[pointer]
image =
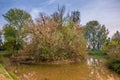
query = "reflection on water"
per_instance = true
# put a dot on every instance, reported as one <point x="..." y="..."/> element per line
<point x="98" y="72"/>
<point x="92" y="70"/>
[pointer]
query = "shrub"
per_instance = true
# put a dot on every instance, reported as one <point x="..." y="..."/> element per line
<point x="50" y="42"/>
<point x="114" y="65"/>
<point x="113" y="50"/>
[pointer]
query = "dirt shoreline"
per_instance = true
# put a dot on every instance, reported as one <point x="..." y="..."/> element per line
<point x="15" y="60"/>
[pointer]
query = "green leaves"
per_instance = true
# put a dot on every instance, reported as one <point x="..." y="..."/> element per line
<point x="113" y="49"/>
<point x="95" y="34"/>
<point x="116" y="37"/>
<point x="16" y="17"/>
<point x="10" y="33"/>
<point x="14" y="31"/>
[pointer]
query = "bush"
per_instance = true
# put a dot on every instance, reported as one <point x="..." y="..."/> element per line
<point x="113" y="50"/>
<point x="51" y="42"/>
<point x="114" y="65"/>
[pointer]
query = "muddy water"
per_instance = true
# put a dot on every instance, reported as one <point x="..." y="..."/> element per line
<point x="93" y="69"/>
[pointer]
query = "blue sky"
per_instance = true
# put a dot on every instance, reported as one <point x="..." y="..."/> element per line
<point x="105" y="11"/>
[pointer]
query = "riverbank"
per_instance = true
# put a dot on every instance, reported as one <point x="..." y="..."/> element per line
<point x="30" y="61"/>
<point x="4" y="75"/>
<point x="94" y="70"/>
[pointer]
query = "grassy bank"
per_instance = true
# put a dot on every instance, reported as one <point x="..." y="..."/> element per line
<point x="4" y="75"/>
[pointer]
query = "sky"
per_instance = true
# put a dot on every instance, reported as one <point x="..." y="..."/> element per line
<point x="107" y="12"/>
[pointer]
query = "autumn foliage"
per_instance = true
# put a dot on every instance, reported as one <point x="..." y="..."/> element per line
<point x="50" y="42"/>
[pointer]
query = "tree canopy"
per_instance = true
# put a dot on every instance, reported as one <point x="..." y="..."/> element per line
<point x="95" y="34"/>
<point x="13" y="30"/>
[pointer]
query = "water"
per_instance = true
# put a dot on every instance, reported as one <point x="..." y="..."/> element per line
<point x="93" y="69"/>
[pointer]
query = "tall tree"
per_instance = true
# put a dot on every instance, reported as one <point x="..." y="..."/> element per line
<point x="102" y="37"/>
<point x="96" y="34"/>
<point x="116" y="37"/>
<point x="16" y="19"/>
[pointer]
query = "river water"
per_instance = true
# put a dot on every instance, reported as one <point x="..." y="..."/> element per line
<point x="93" y="69"/>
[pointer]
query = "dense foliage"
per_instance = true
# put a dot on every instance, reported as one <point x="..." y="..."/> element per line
<point x="113" y="50"/>
<point x="49" y="38"/>
<point x="50" y="42"/>
<point x="13" y="31"/>
<point x="96" y="35"/>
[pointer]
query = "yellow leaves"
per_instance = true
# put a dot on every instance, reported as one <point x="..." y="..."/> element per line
<point x="113" y="49"/>
<point x="113" y="43"/>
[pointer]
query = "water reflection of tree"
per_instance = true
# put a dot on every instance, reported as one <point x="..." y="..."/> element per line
<point x="94" y="69"/>
<point x="97" y="71"/>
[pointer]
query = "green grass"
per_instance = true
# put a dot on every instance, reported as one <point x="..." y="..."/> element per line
<point x="97" y="53"/>
<point x="4" y="54"/>
<point x="5" y="73"/>
<point x="14" y="76"/>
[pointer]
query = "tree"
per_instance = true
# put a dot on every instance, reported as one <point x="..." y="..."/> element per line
<point x="59" y="15"/>
<point x="17" y="18"/>
<point x="95" y="34"/>
<point x="10" y="34"/>
<point x="14" y="31"/>
<point x="116" y="37"/>
<point x="49" y="43"/>
<point x="102" y="37"/>
<point x="75" y="17"/>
